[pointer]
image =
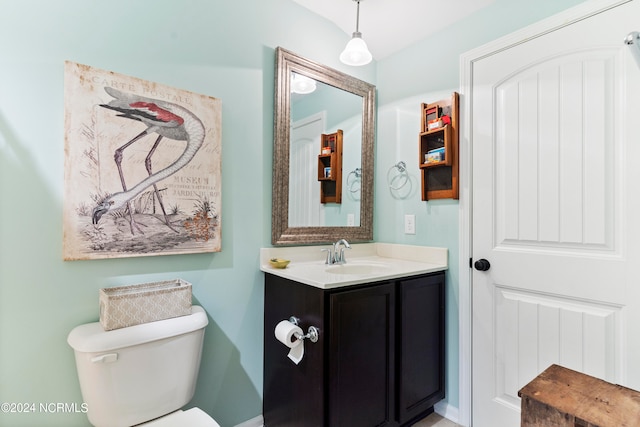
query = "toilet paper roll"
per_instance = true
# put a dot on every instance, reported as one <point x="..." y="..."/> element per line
<point x="286" y="333"/>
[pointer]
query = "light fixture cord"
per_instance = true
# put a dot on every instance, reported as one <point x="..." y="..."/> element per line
<point x="357" y="16"/>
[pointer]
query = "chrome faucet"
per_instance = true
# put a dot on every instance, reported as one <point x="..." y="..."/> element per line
<point x="339" y="257"/>
<point x="335" y="254"/>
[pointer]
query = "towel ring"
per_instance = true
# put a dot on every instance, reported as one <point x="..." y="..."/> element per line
<point x="401" y="167"/>
<point x="357" y="173"/>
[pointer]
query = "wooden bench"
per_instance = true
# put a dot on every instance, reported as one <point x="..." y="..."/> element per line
<point x="561" y="397"/>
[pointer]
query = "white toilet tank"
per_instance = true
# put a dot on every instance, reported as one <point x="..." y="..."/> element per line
<point x="135" y="374"/>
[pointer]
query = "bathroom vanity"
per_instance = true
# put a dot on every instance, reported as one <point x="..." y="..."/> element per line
<point x="379" y="357"/>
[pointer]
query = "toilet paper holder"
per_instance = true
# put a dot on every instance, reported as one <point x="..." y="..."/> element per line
<point x="312" y="333"/>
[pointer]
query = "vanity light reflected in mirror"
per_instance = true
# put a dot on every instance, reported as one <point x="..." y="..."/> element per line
<point x="302" y="84"/>
<point x="339" y="103"/>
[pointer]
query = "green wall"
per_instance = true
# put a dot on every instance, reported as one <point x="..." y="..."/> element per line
<point x="219" y="48"/>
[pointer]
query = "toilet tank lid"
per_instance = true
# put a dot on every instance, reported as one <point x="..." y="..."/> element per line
<point x="92" y="338"/>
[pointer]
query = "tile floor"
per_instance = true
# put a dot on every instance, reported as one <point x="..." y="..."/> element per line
<point x="435" y="420"/>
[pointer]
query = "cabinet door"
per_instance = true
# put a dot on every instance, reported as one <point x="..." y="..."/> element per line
<point x="361" y="357"/>
<point x="293" y="395"/>
<point x="421" y="345"/>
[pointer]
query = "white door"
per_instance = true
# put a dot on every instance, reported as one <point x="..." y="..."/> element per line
<point x="555" y="187"/>
<point x="305" y="209"/>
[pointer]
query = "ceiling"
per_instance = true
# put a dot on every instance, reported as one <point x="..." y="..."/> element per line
<point x="388" y="26"/>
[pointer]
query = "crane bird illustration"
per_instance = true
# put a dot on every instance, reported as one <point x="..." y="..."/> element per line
<point x="165" y="119"/>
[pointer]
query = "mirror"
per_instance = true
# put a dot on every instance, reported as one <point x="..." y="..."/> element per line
<point x="339" y="103"/>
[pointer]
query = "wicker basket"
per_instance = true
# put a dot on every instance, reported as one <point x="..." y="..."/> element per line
<point x="132" y="305"/>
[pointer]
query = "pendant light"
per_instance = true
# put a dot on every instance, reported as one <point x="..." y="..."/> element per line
<point x="356" y="52"/>
<point x="302" y="84"/>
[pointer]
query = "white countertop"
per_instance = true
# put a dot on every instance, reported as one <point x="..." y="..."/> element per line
<point x="366" y="262"/>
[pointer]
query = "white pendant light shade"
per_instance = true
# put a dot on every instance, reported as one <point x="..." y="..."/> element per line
<point x="356" y="52"/>
<point x="302" y="84"/>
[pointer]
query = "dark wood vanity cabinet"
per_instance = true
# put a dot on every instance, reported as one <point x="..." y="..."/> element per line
<point x="379" y="359"/>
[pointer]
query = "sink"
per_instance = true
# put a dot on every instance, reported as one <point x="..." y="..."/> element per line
<point x="359" y="268"/>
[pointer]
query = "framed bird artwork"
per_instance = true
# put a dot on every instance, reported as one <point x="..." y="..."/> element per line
<point x="142" y="167"/>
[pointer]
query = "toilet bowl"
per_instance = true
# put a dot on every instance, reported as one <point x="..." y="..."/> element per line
<point x="142" y="374"/>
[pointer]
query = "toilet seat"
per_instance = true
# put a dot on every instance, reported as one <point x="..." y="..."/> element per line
<point x="194" y="417"/>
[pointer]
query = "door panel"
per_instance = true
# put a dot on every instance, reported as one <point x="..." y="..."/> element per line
<point x="304" y="188"/>
<point x="555" y="180"/>
<point x="534" y="331"/>
<point x="550" y="194"/>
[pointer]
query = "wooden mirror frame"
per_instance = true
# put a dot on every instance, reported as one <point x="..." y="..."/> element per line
<point x="281" y="234"/>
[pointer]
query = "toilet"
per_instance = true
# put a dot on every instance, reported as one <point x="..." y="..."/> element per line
<point x="142" y="374"/>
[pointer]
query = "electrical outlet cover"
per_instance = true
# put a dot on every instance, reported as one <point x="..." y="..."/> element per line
<point x="410" y="224"/>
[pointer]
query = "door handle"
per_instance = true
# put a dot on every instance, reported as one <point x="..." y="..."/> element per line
<point x="482" y="265"/>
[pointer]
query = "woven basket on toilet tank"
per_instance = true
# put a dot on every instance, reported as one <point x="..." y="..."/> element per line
<point x="132" y="305"/>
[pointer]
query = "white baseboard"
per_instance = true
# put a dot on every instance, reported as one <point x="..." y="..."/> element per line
<point x="443" y="409"/>
<point x="253" y="422"/>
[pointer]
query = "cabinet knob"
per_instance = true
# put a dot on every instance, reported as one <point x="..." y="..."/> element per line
<point x="482" y="265"/>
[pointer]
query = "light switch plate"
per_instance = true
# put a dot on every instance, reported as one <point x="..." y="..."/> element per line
<point x="410" y="224"/>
